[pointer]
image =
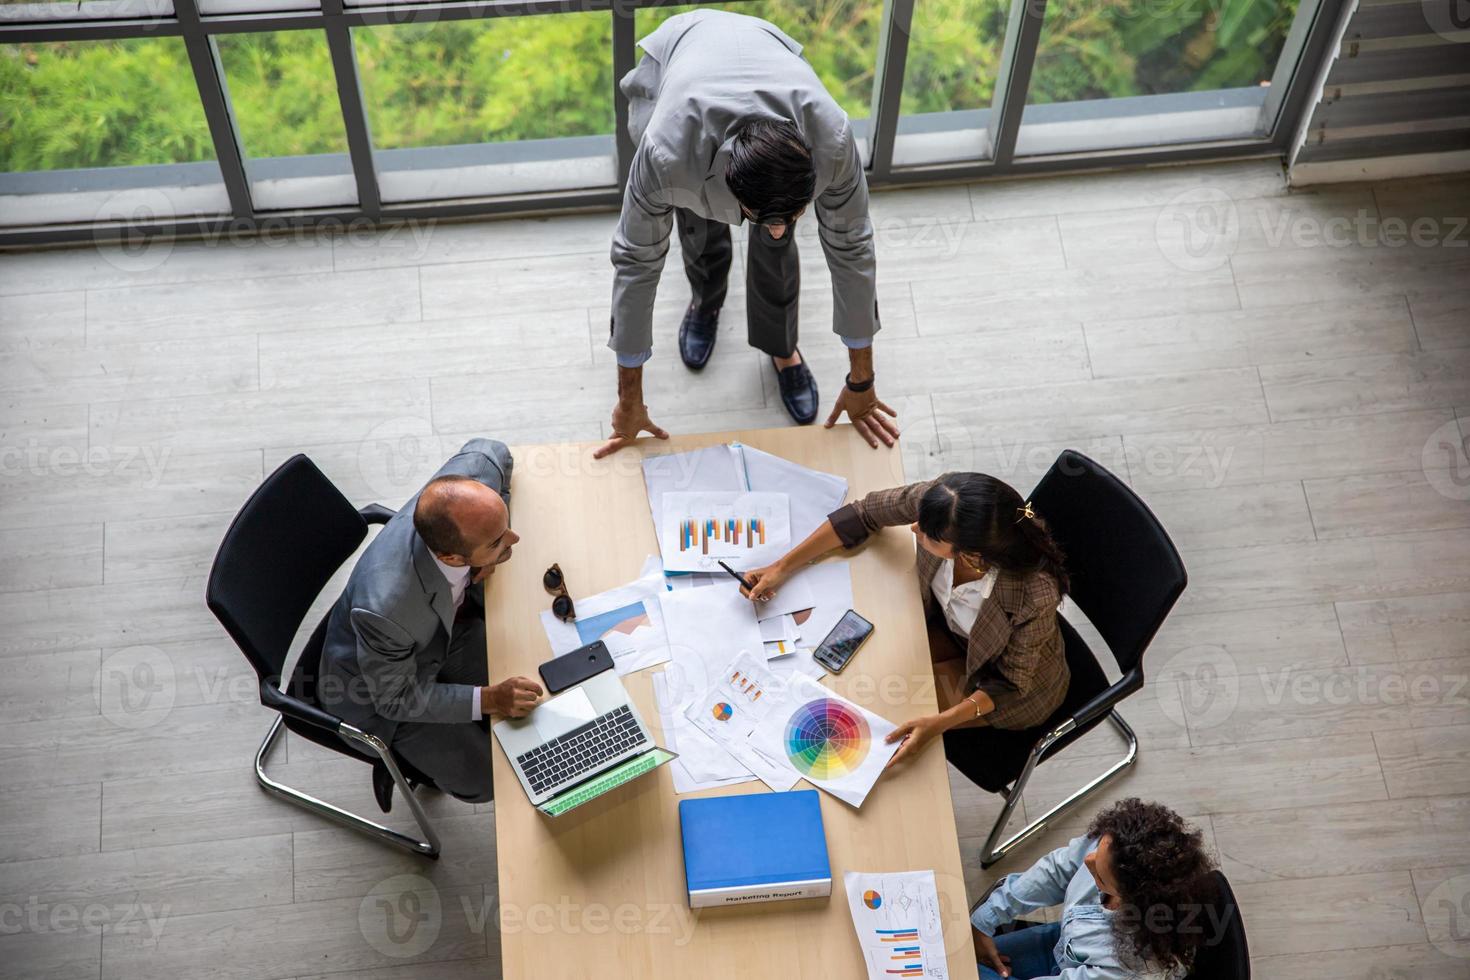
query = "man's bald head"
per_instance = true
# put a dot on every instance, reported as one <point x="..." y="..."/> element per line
<point x="460" y="516"/>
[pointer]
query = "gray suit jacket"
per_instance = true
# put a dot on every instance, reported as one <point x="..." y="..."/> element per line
<point x="704" y="74"/>
<point x="388" y="633"/>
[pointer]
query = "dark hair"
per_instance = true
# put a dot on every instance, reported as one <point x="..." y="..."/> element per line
<point x="1162" y="874"/>
<point x="981" y="515"/>
<point x="432" y="520"/>
<point x="770" y="169"/>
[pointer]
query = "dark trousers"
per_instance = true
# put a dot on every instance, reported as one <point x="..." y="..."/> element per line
<point x="772" y="278"/>
<point x="455" y="755"/>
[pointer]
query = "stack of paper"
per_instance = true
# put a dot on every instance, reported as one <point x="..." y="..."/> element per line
<point x="785" y="729"/>
<point x="737" y="468"/>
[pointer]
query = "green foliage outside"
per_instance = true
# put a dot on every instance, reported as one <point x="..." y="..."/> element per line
<point x="114" y="103"/>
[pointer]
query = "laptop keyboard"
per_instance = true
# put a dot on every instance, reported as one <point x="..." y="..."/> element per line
<point x="564" y="760"/>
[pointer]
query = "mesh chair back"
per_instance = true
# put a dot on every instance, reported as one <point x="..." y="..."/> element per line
<point x="293" y="533"/>
<point x="1126" y="574"/>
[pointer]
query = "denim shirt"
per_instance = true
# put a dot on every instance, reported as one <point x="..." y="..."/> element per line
<point x="1085" y="950"/>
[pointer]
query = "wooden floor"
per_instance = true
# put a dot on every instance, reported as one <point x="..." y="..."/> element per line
<point x="1285" y="385"/>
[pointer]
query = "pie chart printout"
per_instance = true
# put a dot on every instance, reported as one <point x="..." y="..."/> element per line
<point x="826" y="739"/>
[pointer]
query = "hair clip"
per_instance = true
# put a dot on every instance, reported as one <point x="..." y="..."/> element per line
<point x="1025" y="511"/>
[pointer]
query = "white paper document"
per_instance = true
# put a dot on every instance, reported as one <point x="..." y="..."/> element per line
<point x="743" y="703"/>
<point x="813" y="494"/>
<point x="794" y="595"/>
<point x="628" y="619"/>
<point x="701" y="762"/>
<point x="779" y="628"/>
<point x="744" y="529"/>
<point x="785" y="728"/>
<point x="707" y="628"/>
<point x="830" y="585"/>
<point x="898" y="926"/>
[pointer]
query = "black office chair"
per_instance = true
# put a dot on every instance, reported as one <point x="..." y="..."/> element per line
<point x="1126" y="576"/>
<point x="282" y="548"/>
<point x="1224" y="955"/>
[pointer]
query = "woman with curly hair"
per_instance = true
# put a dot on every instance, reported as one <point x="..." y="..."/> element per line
<point x="1135" y="892"/>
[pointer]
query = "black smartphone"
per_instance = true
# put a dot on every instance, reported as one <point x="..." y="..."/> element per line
<point x="560" y="673"/>
<point x="836" y="651"/>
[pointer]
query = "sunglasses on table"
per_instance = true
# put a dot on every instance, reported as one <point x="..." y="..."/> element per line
<point x="561" y="603"/>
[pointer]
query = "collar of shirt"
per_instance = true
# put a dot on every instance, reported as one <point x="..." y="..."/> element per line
<point x="458" y="577"/>
<point x="978" y="590"/>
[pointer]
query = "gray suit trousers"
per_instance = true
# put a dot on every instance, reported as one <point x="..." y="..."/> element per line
<point x="772" y="278"/>
<point x="457" y="756"/>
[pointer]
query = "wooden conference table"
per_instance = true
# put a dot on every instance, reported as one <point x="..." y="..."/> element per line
<point x="600" y="891"/>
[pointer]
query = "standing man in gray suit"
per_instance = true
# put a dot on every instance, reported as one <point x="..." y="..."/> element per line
<point x="404" y="655"/>
<point x="732" y="125"/>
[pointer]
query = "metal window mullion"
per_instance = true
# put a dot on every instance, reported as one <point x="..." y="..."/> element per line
<point x="623" y="56"/>
<point x="1023" y="33"/>
<point x="1313" y="60"/>
<point x="893" y="52"/>
<point x="1286" y="64"/>
<point x="209" y="76"/>
<point x="354" y="110"/>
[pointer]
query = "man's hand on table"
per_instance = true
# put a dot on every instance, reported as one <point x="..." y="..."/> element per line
<point x="513" y="698"/>
<point x="872" y="418"/>
<point x="629" y="415"/>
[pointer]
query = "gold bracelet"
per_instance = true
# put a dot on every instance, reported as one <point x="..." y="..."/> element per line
<point x="978" y="710"/>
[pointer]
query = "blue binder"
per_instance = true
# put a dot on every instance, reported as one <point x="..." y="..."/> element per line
<point x="757" y="847"/>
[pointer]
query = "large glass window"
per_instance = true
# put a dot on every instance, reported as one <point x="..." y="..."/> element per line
<point x="1121" y="73"/>
<point x="286" y="110"/>
<point x="954" y="55"/>
<point x="103" y="131"/>
<point x="505" y="105"/>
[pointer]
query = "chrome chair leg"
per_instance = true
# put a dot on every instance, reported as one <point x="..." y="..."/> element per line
<point x="429" y="846"/>
<point x="993" y="852"/>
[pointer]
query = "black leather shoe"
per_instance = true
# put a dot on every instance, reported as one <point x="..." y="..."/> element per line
<point x="798" y="391"/>
<point x="382" y="787"/>
<point x="697" y="336"/>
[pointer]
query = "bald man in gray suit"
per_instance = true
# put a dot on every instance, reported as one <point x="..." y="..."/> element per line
<point x="732" y="125"/>
<point x="404" y="655"/>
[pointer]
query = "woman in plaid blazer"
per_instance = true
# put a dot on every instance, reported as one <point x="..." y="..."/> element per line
<point x="991" y="578"/>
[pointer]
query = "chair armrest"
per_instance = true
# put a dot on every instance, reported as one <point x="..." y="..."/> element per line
<point x="272" y="697"/>
<point x="1103" y="703"/>
<point x="376" y="514"/>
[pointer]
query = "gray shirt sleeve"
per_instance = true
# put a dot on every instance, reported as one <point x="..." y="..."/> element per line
<point x="638" y="249"/>
<point x="847" y="239"/>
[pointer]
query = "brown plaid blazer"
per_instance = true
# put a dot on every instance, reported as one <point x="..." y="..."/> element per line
<point x="1014" y="652"/>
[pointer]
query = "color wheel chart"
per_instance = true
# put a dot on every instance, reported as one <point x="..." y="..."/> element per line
<point x="826" y="739"/>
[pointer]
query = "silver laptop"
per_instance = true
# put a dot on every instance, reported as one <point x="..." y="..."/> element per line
<point x="580" y="744"/>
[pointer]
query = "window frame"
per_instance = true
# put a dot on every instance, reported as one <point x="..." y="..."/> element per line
<point x="992" y="131"/>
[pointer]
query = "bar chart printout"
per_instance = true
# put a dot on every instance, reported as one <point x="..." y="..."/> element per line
<point x="896" y="916"/>
<point x="741" y="527"/>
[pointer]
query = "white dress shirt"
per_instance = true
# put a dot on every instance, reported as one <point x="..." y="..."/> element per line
<point x="458" y="577"/>
<point x="961" y="603"/>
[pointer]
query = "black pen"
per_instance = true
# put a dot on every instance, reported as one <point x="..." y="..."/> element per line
<point x="737" y="576"/>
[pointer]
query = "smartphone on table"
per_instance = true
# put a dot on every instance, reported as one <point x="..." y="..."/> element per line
<point x="837" y="650"/>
